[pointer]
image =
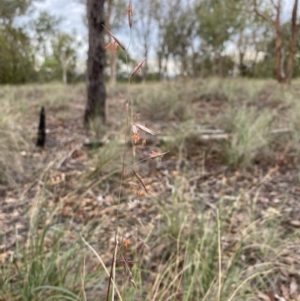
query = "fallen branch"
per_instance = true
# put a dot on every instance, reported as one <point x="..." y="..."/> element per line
<point x="200" y="136"/>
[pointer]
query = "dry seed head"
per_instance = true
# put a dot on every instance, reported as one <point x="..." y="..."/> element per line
<point x="140" y="193"/>
<point x="133" y="283"/>
<point x="136" y="138"/>
<point x="112" y="45"/>
<point x="130" y="14"/>
<point x="135" y="129"/>
<point x="143" y="128"/>
<point x="139" y="177"/>
<point x="127" y="242"/>
<point x="115" y="39"/>
<point x="155" y="154"/>
<point x="127" y="235"/>
<point x="137" y="68"/>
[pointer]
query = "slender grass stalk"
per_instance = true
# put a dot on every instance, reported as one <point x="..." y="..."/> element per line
<point x="219" y="256"/>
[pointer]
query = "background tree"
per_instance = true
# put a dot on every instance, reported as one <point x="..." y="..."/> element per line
<point x="273" y="14"/>
<point x="16" y="56"/>
<point x="45" y="27"/>
<point x="163" y="12"/>
<point x="144" y="21"/>
<point x="17" y="63"/>
<point x="64" y="51"/>
<point x="217" y="24"/>
<point x="96" y="93"/>
<point x="251" y="36"/>
<point x="180" y="31"/>
<point x="11" y="9"/>
<point x="295" y="28"/>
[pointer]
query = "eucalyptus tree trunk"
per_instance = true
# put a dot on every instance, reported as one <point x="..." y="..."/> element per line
<point x="96" y="93"/>
<point x="295" y="28"/>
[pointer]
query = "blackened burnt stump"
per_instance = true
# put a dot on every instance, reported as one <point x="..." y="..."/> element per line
<point x="41" y="139"/>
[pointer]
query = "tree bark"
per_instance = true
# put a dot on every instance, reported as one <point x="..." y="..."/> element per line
<point x="279" y="54"/>
<point x="292" y="45"/>
<point x="214" y="65"/>
<point x="279" y="66"/>
<point x="96" y="93"/>
<point x="166" y="70"/>
<point x="64" y="73"/>
<point x="145" y="69"/>
<point x="159" y="60"/>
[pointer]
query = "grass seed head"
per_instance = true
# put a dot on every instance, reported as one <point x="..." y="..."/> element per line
<point x="115" y="39"/>
<point x="129" y="12"/>
<point x="137" y="68"/>
<point x="143" y="128"/>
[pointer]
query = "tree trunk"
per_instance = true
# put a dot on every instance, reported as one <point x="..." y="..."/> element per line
<point x="202" y="67"/>
<point x="214" y="65"/>
<point x="96" y="93"/>
<point x="279" y="66"/>
<point x="166" y="70"/>
<point x="280" y="74"/>
<point x="64" y="73"/>
<point x="145" y="69"/>
<point x="241" y="63"/>
<point x="254" y="66"/>
<point x="293" y="40"/>
<point x="194" y="65"/>
<point x="159" y="60"/>
<point x="220" y="65"/>
<point x="184" y="64"/>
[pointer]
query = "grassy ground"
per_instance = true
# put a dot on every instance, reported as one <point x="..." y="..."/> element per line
<point x="221" y="217"/>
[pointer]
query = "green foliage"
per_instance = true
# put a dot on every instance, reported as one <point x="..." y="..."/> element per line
<point x="50" y="70"/>
<point x="205" y="65"/>
<point x="10" y="9"/>
<point x="17" y="61"/>
<point x="217" y="22"/>
<point x="45" y="28"/>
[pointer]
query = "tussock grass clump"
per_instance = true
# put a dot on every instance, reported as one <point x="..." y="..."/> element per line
<point x="162" y="102"/>
<point x="249" y="135"/>
<point x="105" y="159"/>
<point x="292" y="120"/>
<point x="40" y="264"/>
<point x="13" y="138"/>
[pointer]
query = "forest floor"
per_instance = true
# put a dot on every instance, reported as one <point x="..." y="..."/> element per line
<point x="221" y="216"/>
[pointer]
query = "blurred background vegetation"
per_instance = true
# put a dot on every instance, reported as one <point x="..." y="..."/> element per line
<point x="185" y="38"/>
